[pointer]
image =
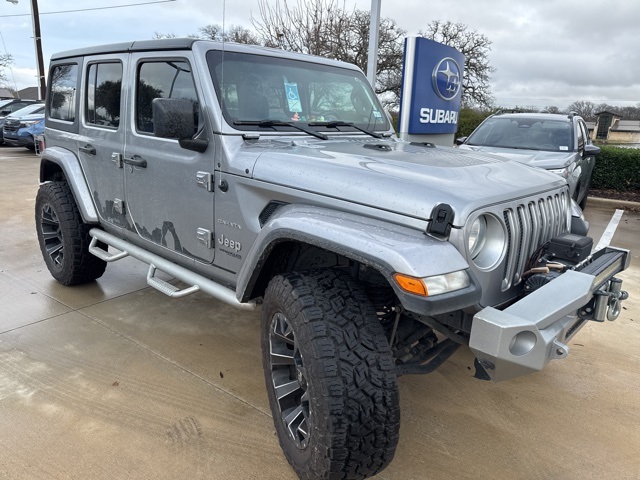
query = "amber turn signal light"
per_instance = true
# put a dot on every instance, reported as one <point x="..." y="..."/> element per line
<point x="411" y="284"/>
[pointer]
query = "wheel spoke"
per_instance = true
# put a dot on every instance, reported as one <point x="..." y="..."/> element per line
<point x="303" y="428"/>
<point x="293" y="420"/>
<point x="279" y="338"/>
<point x="47" y="220"/>
<point x="281" y="359"/>
<point x="51" y="250"/>
<point x="286" y="389"/>
<point x="50" y="235"/>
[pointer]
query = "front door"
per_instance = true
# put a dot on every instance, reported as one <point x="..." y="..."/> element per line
<point x="169" y="193"/>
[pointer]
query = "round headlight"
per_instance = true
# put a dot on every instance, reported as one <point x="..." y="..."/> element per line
<point x="477" y="236"/>
<point x="486" y="241"/>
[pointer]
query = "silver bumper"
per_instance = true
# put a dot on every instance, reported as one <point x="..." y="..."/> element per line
<point x="524" y="337"/>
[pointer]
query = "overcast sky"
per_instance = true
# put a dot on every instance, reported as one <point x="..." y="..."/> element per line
<point x="546" y="52"/>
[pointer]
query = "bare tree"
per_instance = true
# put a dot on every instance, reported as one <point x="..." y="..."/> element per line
<point x="475" y="46"/>
<point x="586" y="109"/>
<point x="326" y="28"/>
<point x="5" y="61"/>
<point x="550" y="109"/>
<point x="235" y="33"/>
<point x="306" y="26"/>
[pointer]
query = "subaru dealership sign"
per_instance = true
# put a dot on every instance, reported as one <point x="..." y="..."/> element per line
<point x="431" y="88"/>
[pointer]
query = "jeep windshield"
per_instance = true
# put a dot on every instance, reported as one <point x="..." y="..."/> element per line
<point x="524" y="133"/>
<point x="265" y="93"/>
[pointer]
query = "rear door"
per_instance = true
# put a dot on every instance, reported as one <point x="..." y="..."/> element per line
<point x="169" y="189"/>
<point x="102" y="135"/>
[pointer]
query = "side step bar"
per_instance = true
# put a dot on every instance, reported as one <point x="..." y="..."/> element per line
<point x="196" y="281"/>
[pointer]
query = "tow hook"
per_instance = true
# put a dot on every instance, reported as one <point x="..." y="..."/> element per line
<point x="608" y="303"/>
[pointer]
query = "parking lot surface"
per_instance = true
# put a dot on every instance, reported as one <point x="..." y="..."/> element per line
<point x="113" y="380"/>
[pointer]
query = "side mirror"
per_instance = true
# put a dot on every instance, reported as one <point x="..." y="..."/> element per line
<point x="173" y="118"/>
<point x="461" y="140"/>
<point x="591" y="150"/>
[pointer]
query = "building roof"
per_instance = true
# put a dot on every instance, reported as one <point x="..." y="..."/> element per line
<point x="615" y="114"/>
<point x="626" y="126"/>
<point x="6" y="93"/>
<point x="29" y="93"/>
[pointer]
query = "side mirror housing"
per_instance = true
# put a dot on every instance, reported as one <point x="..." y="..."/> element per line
<point x="461" y="140"/>
<point x="173" y="118"/>
<point x="591" y="150"/>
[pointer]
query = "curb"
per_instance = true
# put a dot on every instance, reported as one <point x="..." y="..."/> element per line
<point x="608" y="202"/>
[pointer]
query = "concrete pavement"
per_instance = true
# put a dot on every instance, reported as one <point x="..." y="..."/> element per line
<point x="113" y="380"/>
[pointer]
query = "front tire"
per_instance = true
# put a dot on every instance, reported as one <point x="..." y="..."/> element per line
<point x="330" y="376"/>
<point x="63" y="236"/>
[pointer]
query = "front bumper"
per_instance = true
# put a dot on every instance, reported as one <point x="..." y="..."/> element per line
<point x="523" y="338"/>
<point x="18" y="138"/>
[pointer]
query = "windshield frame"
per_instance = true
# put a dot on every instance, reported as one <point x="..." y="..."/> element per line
<point x="217" y="60"/>
<point x="479" y="137"/>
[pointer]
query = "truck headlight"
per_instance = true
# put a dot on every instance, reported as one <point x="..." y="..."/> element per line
<point x="477" y="236"/>
<point x="486" y="241"/>
<point x="563" y="172"/>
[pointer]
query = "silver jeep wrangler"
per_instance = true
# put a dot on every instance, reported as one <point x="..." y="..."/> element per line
<point x="269" y="178"/>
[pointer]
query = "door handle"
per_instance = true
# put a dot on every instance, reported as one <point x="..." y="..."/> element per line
<point x="88" y="149"/>
<point x="136" y="161"/>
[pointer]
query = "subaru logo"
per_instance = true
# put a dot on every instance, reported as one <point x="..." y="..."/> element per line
<point x="446" y="78"/>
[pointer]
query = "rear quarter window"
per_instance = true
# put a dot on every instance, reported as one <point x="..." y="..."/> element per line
<point x="63" y="92"/>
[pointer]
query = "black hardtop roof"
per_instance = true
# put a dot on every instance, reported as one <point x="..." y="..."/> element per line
<point x="137" y="46"/>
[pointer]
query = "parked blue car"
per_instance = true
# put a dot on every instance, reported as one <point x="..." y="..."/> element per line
<point x="16" y="126"/>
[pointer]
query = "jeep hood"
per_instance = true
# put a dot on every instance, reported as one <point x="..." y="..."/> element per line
<point x="535" y="158"/>
<point x="397" y="176"/>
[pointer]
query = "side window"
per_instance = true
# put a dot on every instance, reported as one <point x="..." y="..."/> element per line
<point x="102" y="106"/>
<point x="581" y="137"/>
<point x="163" y="79"/>
<point x="17" y="106"/>
<point x="62" y="100"/>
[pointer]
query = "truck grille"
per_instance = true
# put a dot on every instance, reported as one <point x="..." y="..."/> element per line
<point x="530" y="225"/>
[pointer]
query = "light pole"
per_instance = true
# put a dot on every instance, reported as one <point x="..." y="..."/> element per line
<point x="35" y="18"/>
<point x="374" y="28"/>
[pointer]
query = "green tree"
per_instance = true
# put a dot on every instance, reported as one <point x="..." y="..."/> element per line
<point x="469" y="119"/>
<point x="108" y="97"/>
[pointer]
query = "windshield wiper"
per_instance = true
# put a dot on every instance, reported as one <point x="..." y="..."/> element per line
<point x="339" y="123"/>
<point x="279" y="123"/>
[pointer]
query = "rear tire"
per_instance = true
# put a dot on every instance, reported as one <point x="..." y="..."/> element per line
<point x="330" y="376"/>
<point x="63" y="236"/>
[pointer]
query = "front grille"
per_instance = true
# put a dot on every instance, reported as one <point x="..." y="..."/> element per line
<point x="530" y="225"/>
<point x="12" y="125"/>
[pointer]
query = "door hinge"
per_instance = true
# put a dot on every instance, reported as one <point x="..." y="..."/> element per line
<point x="117" y="159"/>
<point x="118" y="205"/>
<point x="205" y="180"/>
<point x="205" y="237"/>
